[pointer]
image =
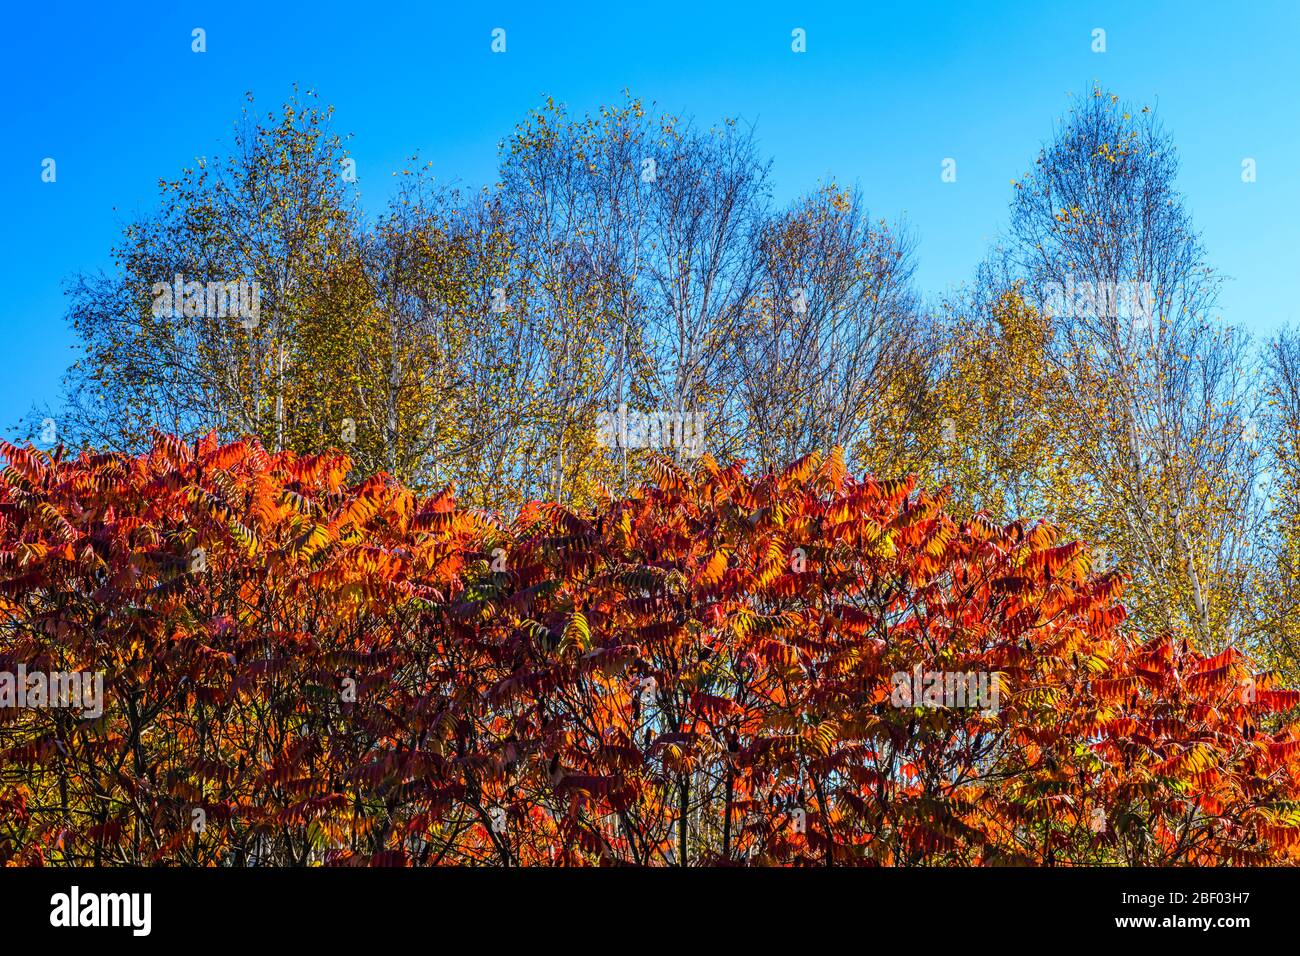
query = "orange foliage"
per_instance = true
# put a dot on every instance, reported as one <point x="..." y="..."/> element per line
<point x="301" y="671"/>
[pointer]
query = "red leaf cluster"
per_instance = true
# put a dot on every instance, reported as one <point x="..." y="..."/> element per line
<point x="719" y="669"/>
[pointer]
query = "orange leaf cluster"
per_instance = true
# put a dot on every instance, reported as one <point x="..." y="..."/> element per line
<point x="719" y="669"/>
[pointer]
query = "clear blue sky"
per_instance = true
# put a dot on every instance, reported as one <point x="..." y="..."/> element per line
<point x="884" y="93"/>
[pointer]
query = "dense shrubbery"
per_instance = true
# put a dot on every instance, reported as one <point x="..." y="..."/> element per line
<point x="299" y="670"/>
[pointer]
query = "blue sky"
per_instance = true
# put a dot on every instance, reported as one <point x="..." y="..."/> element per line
<point x="883" y="94"/>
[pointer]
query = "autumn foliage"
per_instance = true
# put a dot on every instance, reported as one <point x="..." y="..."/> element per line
<point x="299" y="670"/>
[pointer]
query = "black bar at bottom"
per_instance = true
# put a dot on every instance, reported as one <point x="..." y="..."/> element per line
<point x="341" y="906"/>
